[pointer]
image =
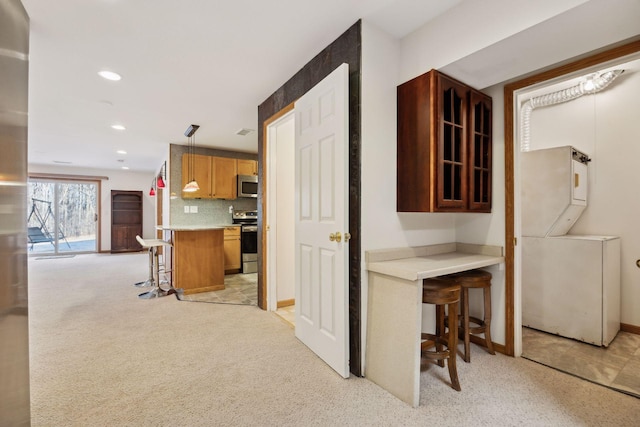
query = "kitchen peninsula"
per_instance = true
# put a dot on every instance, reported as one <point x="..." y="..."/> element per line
<point x="196" y="258"/>
<point x="394" y="313"/>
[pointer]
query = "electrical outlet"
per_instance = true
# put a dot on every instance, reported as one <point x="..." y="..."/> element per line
<point x="231" y="209"/>
<point x="194" y="209"/>
<point x="186" y="209"/>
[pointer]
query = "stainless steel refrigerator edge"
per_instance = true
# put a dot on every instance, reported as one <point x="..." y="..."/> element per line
<point x="14" y="321"/>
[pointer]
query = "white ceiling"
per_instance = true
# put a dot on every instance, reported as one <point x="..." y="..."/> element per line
<point x="206" y="62"/>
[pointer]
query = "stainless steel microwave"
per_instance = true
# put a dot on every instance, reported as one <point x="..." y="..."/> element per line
<point x="247" y="186"/>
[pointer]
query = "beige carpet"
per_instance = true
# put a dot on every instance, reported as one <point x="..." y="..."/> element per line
<point x="100" y="356"/>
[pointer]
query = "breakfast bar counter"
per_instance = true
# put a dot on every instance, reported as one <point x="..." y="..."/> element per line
<point x="394" y="308"/>
<point x="196" y="259"/>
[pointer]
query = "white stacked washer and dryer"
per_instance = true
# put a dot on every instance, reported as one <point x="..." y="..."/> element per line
<point x="570" y="283"/>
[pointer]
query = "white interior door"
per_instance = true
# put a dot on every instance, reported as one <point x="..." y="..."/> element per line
<point x="321" y="211"/>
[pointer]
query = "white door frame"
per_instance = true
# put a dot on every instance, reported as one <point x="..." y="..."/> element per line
<point x="271" y="207"/>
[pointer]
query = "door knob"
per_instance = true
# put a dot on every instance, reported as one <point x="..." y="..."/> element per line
<point x="335" y="237"/>
<point x="332" y="237"/>
<point x="338" y="237"/>
<point x="347" y="237"/>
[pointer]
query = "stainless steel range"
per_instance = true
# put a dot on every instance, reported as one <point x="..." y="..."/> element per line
<point x="248" y="221"/>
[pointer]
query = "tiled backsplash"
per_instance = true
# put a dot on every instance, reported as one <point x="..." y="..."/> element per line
<point x="210" y="212"/>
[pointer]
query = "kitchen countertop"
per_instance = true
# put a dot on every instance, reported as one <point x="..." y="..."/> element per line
<point x="193" y="227"/>
<point x="417" y="263"/>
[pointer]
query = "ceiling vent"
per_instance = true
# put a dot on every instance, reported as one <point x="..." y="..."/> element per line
<point x="244" y="131"/>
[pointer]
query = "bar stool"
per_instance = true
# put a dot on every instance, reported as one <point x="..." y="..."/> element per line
<point x="442" y="291"/>
<point x="154" y="269"/>
<point x="477" y="279"/>
<point x="150" y="280"/>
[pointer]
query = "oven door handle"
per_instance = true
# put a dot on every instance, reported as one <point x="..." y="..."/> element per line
<point x="249" y="228"/>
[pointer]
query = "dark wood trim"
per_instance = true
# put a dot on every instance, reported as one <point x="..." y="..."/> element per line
<point x="480" y="341"/>
<point x="345" y="49"/>
<point x="632" y="329"/>
<point x="286" y="302"/>
<point x="509" y="143"/>
<point x="509" y="246"/>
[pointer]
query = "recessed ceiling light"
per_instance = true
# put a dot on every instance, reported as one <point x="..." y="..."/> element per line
<point x="121" y="152"/>
<point x="125" y="167"/>
<point x="110" y="75"/>
<point x="118" y="127"/>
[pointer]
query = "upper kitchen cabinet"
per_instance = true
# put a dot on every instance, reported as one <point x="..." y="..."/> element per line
<point x="247" y="167"/>
<point x="198" y="167"/>
<point x="480" y="152"/>
<point x="444" y="146"/>
<point x="216" y="176"/>
<point x="224" y="173"/>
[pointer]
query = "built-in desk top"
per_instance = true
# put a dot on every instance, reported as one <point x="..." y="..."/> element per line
<point x="422" y="262"/>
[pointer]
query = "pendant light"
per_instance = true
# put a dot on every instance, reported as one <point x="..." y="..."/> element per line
<point x="152" y="192"/>
<point x="192" y="185"/>
<point x="160" y="182"/>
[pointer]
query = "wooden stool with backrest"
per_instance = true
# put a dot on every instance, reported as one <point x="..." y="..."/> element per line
<point x="476" y="279"/>
<point x="442" y="291"/>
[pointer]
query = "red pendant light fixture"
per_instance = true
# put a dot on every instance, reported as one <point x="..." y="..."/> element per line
<point x="152" y="192"/>
<point x="160" y="182"/>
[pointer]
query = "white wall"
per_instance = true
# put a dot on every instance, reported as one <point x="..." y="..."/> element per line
<point x="381" y="225"/>
<point x="118" y="180"/>
<point x="470" y="27"/>
<point x="605" y="127"/>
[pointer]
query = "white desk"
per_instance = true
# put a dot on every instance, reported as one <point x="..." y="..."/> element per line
<point x="394" y="310"/>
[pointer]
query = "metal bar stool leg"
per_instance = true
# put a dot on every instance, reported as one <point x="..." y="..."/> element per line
<point x="149" y="281"/>
<point x="154" y="268"/>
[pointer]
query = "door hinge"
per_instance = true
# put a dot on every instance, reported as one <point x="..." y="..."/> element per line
<point x="515" y="241"/>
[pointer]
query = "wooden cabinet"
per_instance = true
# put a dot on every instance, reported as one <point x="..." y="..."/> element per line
<point x="224" y="183"/>
<point x="444" y="146"/>
<point x="197" y="260"/>
<point x="480" y="152"/>
<point x="198" y="167"/>
<point x="126" y="220"/>
<point x="247" y="167"/>
<point x="216" y="176"/>
<point x="232" y="257"/>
